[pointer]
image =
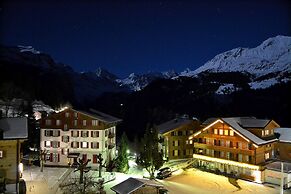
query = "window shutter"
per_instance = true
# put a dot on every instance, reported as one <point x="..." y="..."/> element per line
<point x="59" y="144"/>
<point x="44" y="143"/>
<point x="68" y="138"/>
<point x="72" y="133"/>
<point x="91" y="133"/>
<point x="78" y="133"/>
<point x="51" y="157"/>
<point x="87" y="144"/>
<point x="87" y="133"/>
<point x="58" y="157"/>
<point x="77" y="144"/>
<point x="71" y="144"/>
<point x="62" y="138"/>
<point x="91" y="144"/>
<point x="98" y="145"/>
<point x="59" y="133"/>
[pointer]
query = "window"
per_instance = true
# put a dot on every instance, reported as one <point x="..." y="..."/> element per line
<point x="225" y="132"/>
<point x="267" y="156"/>
<point x="94" y="133"/>
<point x="55" y="157"/>
<point x="227" y="143"/>
<point x="48" y="122"/>
<point x="240" y="157"/>
<point x="58" y="122"/>
<point x="191" y="141"/>
<point x="247" y="158"/>
<point x="180" y="133"/>
<point x="267" y="132"/>
<point x="95" y="145"/>
<point x="65" y="127"/>
<point x="94" y="122"/>
<point x="221" y="142"/>
<point x="222" y="154"/>
<point x="187" y="142"/>
<point x="47" y="156"/>
<point x="65" y="138"/>
<point x="220" y="131"/>
<point x="47" y="143"/>
<point x="67" y="114"/>
<point x="176" y="152"/>
<point x="231" y="133"/>
<point x="75" y="133"/>
<point x="75" y="144"/>
<point x="84" y="122"/>
<point x="75" y="122"/>
<point x="75" y="114"/>
<point x="55" y="144"/>
<point x="105" y="144"/>
<point x="207" y="141"/>
<point x="263" y="133"/>
<point x="106" y="133"/>
<point x="94" y="158"/>
<point x="84" y="144"/>
<point x="56" y="133"/>
<point x="176" y="143"/>
<point x="191" y="132"/>
<point x="47" y="133"/>
<point x="1" y="154"/>
<point x="207" y="151"/>
<point x="239" y="145"/>
<point x="228" y="155"/>
<point x="84" y="133"/>
<point x="215" y="131"/>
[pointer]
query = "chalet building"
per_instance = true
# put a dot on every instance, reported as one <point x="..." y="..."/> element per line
<point x="13" y="132"/>
<point x="238" y="145"/>
<point x="283" y="146"/>
<point x="71" y="134"/>
<point x="174" y="134"/>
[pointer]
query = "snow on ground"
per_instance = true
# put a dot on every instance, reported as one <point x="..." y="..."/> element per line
<point x="28" y="49"/>
<point x="263" y="84"/>
<point x="226" y="89"/>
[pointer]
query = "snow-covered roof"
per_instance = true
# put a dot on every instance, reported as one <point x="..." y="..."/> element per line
<point x="284" y="134"/>
<point x="100" y="115"/>
<point x="14" y="128"/>
<point x="173" y="124"/>
<point x="251" y="122"/>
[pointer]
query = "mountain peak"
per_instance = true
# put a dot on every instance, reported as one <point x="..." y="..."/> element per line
<point x="103" y="73"/>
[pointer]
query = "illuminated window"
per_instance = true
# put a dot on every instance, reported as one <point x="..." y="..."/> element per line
<point x="228" y="155"/>
<point x="84" y="144"/>
<point x="75" y="133"/>
<point x="176" y="143"/>
<point x="222" y="154"/>
<point x="1" y="154"/>
<point x="227" y="143"/>
<point x="215" y="131"/>
<point x="225" y="132"/>
<point x="84" y="122"/>
<point x="240" y="157"/>
<point x="67" y="114"/>
<point x="76" y="114"/>
<point x="75" y="122"/>
<point x="267" y="132"/>
<point x="176" y="152"/>
<point x="47" y="144"/>
<point x="231" y="133"/>
<point x="267" y="156"/>
<point x="220" y="131"/>
<point x="221" y="142"/>
<point x="94" y="122"/>
<point x="65" y="127"/>
<point x="247" y="158"/>
<point x="239" y="145"/>
<point x="207" y="151"/>
<point x="191" y="141"/>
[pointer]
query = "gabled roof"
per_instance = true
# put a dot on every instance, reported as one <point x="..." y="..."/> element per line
<point x="235" y="124"/>
<point x="252" y="122"/>
<point x="132" y="184"/>
<point x="100" y="115"/>
<point x="284" y="134"/>
<point x="173" y="124"/>
<point x="14" y="128"/>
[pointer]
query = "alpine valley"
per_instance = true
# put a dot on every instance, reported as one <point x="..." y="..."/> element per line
<point x="242" y="82"/>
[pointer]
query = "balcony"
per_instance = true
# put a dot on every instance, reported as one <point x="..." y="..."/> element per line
<point x="111" y="135"/>
<point x="224" y="148"/>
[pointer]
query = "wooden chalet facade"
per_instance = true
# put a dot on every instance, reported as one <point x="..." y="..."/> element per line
<point x="174" y="135"/>
<point x="70" y="134"/>
<point x="238" y="145"/>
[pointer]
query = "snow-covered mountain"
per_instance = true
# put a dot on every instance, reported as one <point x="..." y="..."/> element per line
<point x="137" y="82"/>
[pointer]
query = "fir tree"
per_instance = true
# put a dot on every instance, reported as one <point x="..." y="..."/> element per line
<point x="122" y="158"/>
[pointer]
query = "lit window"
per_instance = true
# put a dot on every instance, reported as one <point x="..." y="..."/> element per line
<point x="267" y="132"/>
<point x="225" y="132"/>
<point x="75" y="122"/>
<point x="231" y="133"/>
<point x="1" y="154"/>
<point x="176" y="152"/>
<point x="222" y="154"/>
<point x="215" y="131"/>
<point x="187" y="142"/>
<point x="267" y="156"/>
<point x="75" y="134"/>
<point x="191" y="141"/>
<point x="47" y="144"/>
<point x="240" y="157"/>
<point x="84" y="122"/>
<point x="227" y="143"/>
<point x="65" y="138"/>
<point x="240" y="145"/>
<point x="94" y="122"/>
<point x="220" y="131"/>
<point x="75" y="114"/>
<point x="84" y="144"/>
<point x="65" y="127"/>
<point x="67" y="114"/>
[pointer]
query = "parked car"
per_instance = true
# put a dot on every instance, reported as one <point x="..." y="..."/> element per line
<point x="164" y="173"/>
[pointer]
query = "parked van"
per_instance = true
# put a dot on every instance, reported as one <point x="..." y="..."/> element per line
<point x="164" y="173"/>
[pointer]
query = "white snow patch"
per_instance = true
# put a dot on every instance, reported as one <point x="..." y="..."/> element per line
<point x="263" y="84"/>
<point x="226" y="89"/>
<point x="28" y="49"/>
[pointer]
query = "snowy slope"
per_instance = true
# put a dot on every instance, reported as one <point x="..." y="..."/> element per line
<point x="273" y="55"/>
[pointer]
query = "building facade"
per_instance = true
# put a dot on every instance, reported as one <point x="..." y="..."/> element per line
<point x="13" y="132"/>
<point x="71" y="134"/>
<point x="238" y="145"/>
<point x="283" y="146"/>
<point x="174" y="135"/>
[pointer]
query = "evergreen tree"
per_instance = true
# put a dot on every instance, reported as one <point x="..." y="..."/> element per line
<point x="122" y="158"/>
<point x="150" y="156"/>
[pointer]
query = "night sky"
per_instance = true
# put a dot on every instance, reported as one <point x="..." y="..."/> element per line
<point x="140" y="36"/>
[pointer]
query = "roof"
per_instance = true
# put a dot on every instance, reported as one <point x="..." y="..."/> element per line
<point x="173" y="124"/>
<point x="128" y="186"/>
<point x="284" y="134"/>
<point x="132" y="184"/>
<point x="277" y="166"/>
<point x="100" y="115"/>
<point x="252" y="122"/>
<point x="209" y="121"/>
<point x="235" y="123"/>
<point x="14" y="128"/>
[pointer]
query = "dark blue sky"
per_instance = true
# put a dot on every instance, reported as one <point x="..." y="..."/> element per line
<point x="138" y="36"/>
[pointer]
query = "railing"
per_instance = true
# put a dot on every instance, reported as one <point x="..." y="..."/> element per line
<point x="111" y="135"/>
<point x="224" y="148"/>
